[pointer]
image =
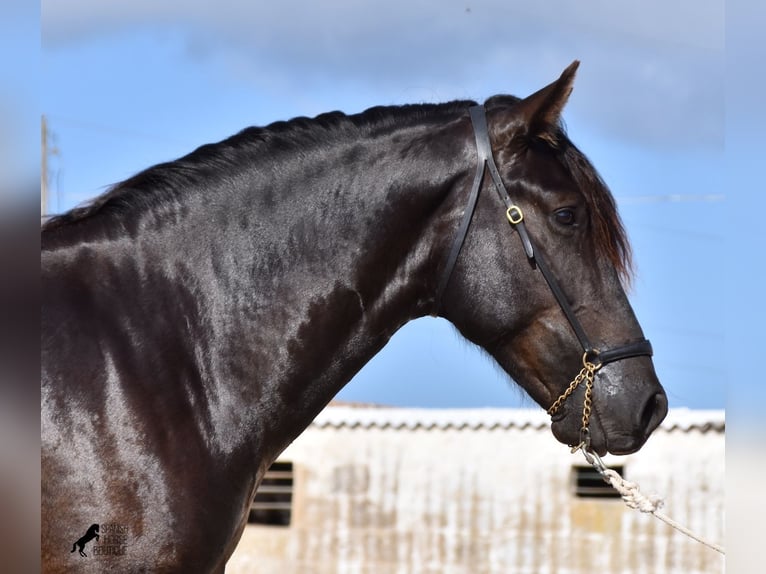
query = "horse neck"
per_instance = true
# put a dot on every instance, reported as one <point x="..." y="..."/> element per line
<point x="298" y="280"/>
<point x="357" y="263"/>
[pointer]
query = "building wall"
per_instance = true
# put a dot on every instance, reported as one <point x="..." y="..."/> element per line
<point x="397" y="495"/>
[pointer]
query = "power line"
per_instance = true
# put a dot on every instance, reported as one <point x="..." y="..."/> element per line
<point x="673" y="198"/>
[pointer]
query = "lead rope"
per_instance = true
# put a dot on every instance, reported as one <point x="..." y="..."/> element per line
<point x="629" y="491"/>
<point x="634" y="498"/>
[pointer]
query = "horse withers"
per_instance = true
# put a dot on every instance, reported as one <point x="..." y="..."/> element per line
<point x="198" y="316"/>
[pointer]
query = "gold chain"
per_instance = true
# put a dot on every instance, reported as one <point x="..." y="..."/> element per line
<point x="587" y="374"/>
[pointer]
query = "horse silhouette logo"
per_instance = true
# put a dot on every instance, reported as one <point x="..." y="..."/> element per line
<point x="90" y="534"/>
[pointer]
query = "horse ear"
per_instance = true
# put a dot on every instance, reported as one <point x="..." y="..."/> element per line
<point x="539" y="114"/>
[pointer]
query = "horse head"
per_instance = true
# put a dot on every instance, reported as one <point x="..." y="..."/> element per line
<point x="544" y="327"/>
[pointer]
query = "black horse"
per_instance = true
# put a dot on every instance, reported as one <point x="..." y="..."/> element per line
<point x="198" y="316"/>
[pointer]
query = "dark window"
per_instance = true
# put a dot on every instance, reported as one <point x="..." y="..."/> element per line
<point x="588" y="483"/>
<point x="273" y="501"/>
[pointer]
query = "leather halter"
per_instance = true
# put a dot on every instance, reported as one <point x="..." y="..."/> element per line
<point x="515" y="217"/>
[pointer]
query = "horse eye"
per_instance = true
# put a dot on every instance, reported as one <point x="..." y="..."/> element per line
<point x="566" y="216"/>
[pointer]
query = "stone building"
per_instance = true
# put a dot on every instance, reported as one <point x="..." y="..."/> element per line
<point x="389" y="490"/>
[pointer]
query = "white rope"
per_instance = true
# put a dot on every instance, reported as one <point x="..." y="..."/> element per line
<point x="634" y="498"/>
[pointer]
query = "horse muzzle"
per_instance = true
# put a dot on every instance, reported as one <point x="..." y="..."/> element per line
<point x="623" y="415"/>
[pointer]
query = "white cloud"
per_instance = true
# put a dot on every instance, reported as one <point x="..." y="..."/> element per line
<point x="660" y="63"/>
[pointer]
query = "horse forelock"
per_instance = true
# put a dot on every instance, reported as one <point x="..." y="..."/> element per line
<point x="609" y="234"/>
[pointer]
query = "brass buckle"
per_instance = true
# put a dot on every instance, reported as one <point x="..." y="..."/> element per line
<point x="514" y="214"/>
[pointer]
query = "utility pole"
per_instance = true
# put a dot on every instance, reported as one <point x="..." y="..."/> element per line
<point x="46" y="151"/>
<point x="44" y="166"/>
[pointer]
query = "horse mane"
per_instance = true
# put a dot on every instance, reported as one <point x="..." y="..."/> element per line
<point x="162" y="184"/>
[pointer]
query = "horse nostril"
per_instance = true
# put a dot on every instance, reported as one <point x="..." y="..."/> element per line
<point x="654" y="412"/>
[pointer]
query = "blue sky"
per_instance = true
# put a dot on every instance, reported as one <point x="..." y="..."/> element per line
<point x="130" y="84"/>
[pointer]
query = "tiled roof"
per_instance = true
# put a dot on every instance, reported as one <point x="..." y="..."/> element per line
<point x="377" y="417"/>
